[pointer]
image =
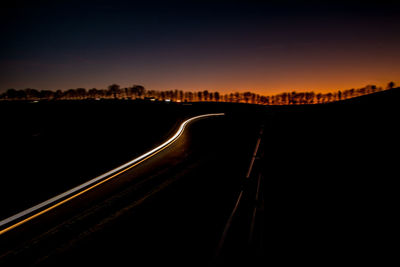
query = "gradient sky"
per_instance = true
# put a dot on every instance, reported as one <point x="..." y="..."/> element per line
<point x="200" y="45"/>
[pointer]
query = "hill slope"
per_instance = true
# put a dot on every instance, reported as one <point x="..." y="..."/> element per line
<point x="330" y="180"/>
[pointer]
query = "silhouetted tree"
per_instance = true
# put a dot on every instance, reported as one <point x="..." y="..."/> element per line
<point x="391" y="85"/>
<point x="205" y="95"/>
<point x="31" y="93"/>
<point x="236" y="97"/>
<point x="180" y="95"/>
<point x="216" y="96"/>
<point x="170" y="94"/>
<point x="329" y="97"/>
<point x="351" y="92"/>
<point x="114" y="90"/>
<point x="246" y="96"/>
<point x="263" y="100"/>
<point x="293" y="98"/>
<point x="137" y="90"/>
<point x="174" y="96"/>
<point x="211" y="96"/>
<point x="284" y="98"/>
<point x="46" y="94"/>
<point x="58" y="94"/>
<point x="70" y="94"/>
<point x="11" y="93"/>
<point x="81" y="93"/>
<point x="361" y="91"/>
<point x="253" y="98"/>
<point x="226" y="98"/>
<point x="93" y="93"/>
<point x="310" y="97"/>
<point x="370" y="88"/>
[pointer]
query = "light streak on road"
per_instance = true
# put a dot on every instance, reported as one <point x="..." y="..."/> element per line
<point x="62" y="198"/>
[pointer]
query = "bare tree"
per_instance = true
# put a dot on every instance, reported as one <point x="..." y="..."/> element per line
<point x="391" y="85"/>
<point x="236" y="97"/>
<point x="137" y="90"/>
<point x="216" y="96"/>
<point x="81" y="93"/>
<point x="247" y="96"/>
<point x="205" y="94"/>
<point x="92" y="93"/>
<point x="180" y="94"/>
<point x="114" y="90"/>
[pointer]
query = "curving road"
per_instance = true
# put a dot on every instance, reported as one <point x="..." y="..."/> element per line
<point x="41" y="208"/>
<point x="174" y="202"/>
<point x="174" y="207"/>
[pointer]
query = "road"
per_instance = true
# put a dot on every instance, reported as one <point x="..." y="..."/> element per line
<point x="171" y="208"/>
<point x="31" y="213"/>
<point x="321" y="190"/>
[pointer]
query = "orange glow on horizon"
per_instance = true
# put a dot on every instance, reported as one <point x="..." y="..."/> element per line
<point x="317" y="87"/>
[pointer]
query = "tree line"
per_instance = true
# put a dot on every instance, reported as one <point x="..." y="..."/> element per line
<point x="115" y="91"/>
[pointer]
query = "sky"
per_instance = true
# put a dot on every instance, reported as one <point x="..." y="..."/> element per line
<point x="265" y="47"/>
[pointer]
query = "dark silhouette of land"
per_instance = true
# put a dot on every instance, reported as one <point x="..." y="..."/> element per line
<point x="326" y="171"/>
<point x="329" y="176"/>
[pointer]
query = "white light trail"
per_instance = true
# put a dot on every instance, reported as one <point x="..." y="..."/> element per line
<point x="80" y="189"/>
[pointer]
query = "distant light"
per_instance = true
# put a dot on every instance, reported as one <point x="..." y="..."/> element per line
<point x="152" y="99"/>
<point x="167" y="100"/>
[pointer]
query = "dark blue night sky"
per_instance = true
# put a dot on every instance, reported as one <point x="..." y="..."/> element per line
<point x="197" y="45"/>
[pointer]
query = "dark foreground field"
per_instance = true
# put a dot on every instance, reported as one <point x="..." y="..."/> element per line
<point x="49" y="147"/>
<point x="330" y="176"/>
<point x="326" y="195"/>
